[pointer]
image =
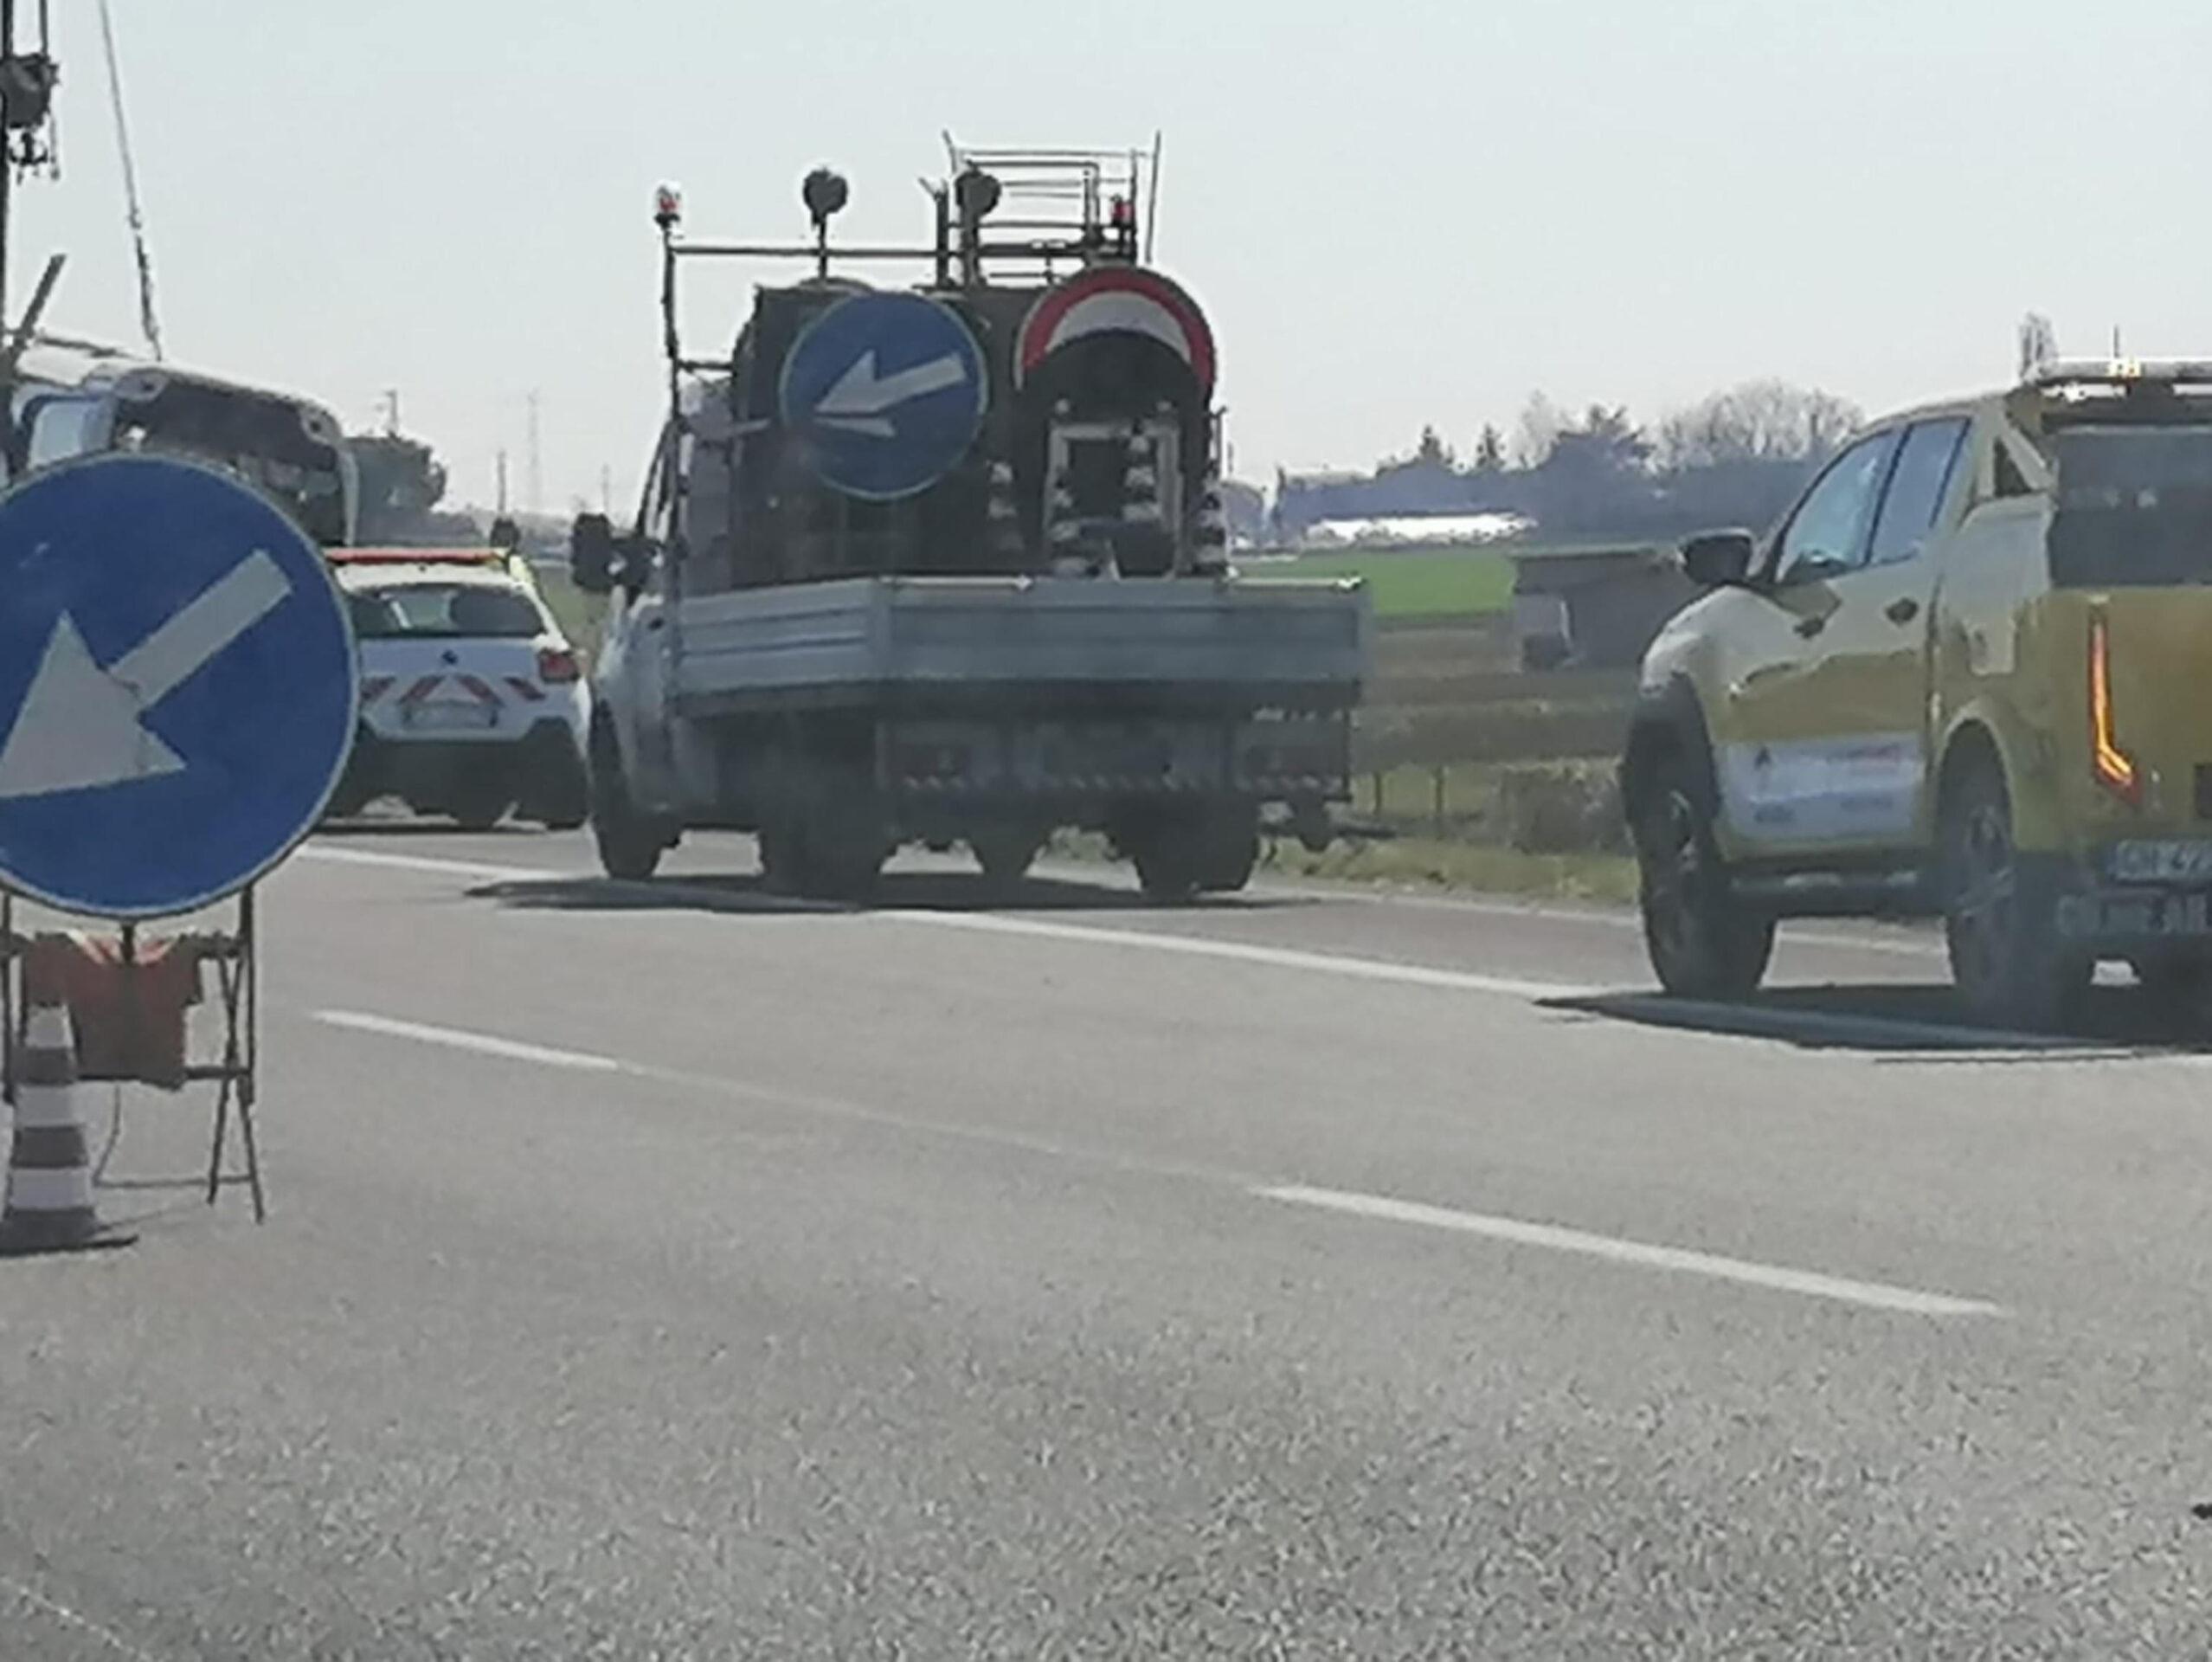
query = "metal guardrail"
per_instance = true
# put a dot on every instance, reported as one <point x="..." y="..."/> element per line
<point x="1444" y="748"/>
<point x="1429" y="715"/>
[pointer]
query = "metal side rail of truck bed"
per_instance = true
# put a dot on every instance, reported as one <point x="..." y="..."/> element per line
<point x="1257" y="644"/>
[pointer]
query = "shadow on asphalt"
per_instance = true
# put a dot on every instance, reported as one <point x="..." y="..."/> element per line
<point x="1904" y="1022"/>
<point x="145" y="1212"/>
<point x="429" y="827"/>
<point x="897" y="892"/>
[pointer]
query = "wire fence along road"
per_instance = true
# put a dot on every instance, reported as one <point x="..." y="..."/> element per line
<point x="1450" y="743"/>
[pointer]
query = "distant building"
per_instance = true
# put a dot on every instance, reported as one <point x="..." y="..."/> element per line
<point x="1422" y="528"/>
<point x="1424" y="487"/>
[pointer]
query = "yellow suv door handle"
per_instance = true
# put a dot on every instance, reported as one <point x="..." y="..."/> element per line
<point x="1903" y="609"/>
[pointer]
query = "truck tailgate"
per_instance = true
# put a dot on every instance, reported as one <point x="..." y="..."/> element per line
<point x="1300" y="641"/>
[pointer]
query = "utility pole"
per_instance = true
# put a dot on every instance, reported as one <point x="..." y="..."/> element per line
<point x="502" y="481"/>
<point x="606" y="489"/>
<point x="149" y="318"/>
<point x="6" y="156"/>
<point x="391" y="412"/>
<point x="27" y="83"/>
<point x="536" y="461"/>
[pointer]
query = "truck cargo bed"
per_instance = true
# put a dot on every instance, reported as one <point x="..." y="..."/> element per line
<point x="1268" y="641"/>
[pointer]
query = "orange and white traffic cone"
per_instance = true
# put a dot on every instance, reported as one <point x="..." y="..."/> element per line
<point x="49" y="1206"/>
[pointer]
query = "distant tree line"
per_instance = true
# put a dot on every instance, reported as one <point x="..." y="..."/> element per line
<point x="1737" y="457"/>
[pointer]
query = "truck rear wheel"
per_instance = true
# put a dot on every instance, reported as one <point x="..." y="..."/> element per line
<point x="2179" y="990"/>
<point x="556" y="791"/>
<point x="630" y="846"/>
<point x="480" y="807"/>
<point x="1006" y="853"/>
<point x="840" y="866"/>
<point x="1166" y="868"/>
<point x="1228" y="850"/>
<point x="2006" y="959"/>
<point x="1186" y="852"/>
<point x="831" y="848"/>
<point x="1702" y="941"/>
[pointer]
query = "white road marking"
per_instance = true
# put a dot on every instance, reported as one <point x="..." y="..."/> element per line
<point x="1406" y="975"/>
<point x="456" y="1039"/>
<point x="65" y="1617"/>
<point x="324" y="851"/>
<point x="770" y="1096"/>
<point x="1748" y="1019"/>
<point x="1868" y="1294"/>
<point x="1595" y="915"/>
<point x="1612" y="917"/>
<point x="1721" y="1020"/>
<point x="1873" y="1295"/>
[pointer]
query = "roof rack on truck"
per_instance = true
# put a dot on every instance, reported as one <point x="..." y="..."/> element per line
<point x="2113" y="391"/>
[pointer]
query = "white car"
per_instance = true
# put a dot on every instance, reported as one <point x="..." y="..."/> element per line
<point x="472" y="702"/>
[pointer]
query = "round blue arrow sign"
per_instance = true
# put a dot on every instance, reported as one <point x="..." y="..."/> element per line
<point x="177" y="685"/>
<point x="884" y="394"/>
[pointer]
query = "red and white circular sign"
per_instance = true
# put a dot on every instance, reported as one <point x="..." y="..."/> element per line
<point x="1118" y="299"/>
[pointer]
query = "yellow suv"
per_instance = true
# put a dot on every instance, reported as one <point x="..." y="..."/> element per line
<point x="1969" y="675"/>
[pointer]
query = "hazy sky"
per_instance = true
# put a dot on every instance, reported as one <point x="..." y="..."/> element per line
<point x="1396" y="212"/>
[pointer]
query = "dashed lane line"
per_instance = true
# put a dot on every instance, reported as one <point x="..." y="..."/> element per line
<point x="1872" y="1295"/>
<point x="1869" y="1295"/>
<point x="456" y="1039"/>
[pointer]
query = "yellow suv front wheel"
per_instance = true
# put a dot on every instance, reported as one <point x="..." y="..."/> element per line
<point x="1703" y="942"/>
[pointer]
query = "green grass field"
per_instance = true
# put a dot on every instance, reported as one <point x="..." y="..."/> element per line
<point x="1407" y="583"/>
<point x="576" y="612"/>
<point x="1412" y="581"/>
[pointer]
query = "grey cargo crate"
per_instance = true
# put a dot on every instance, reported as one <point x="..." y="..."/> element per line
<point x="1273" y="640"/>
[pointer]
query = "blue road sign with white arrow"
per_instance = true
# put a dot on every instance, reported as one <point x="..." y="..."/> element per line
<point x="177" y="685"/>
<point x="885" y="393"/>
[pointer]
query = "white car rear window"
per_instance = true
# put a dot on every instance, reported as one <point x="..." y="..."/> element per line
<point x="435" y="611"/>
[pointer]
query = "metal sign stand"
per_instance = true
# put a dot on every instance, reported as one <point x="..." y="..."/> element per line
<point x="235" y="1075"/>
<point x="117" y="802"/>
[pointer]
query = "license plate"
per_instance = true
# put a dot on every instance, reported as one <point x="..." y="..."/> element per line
<point x="2141" y="916"/>
<point x="2149" y="860"/>
<point x="450" y="716"/>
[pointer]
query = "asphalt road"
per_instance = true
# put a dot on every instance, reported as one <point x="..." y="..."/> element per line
<point x="671" y="1271"/>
